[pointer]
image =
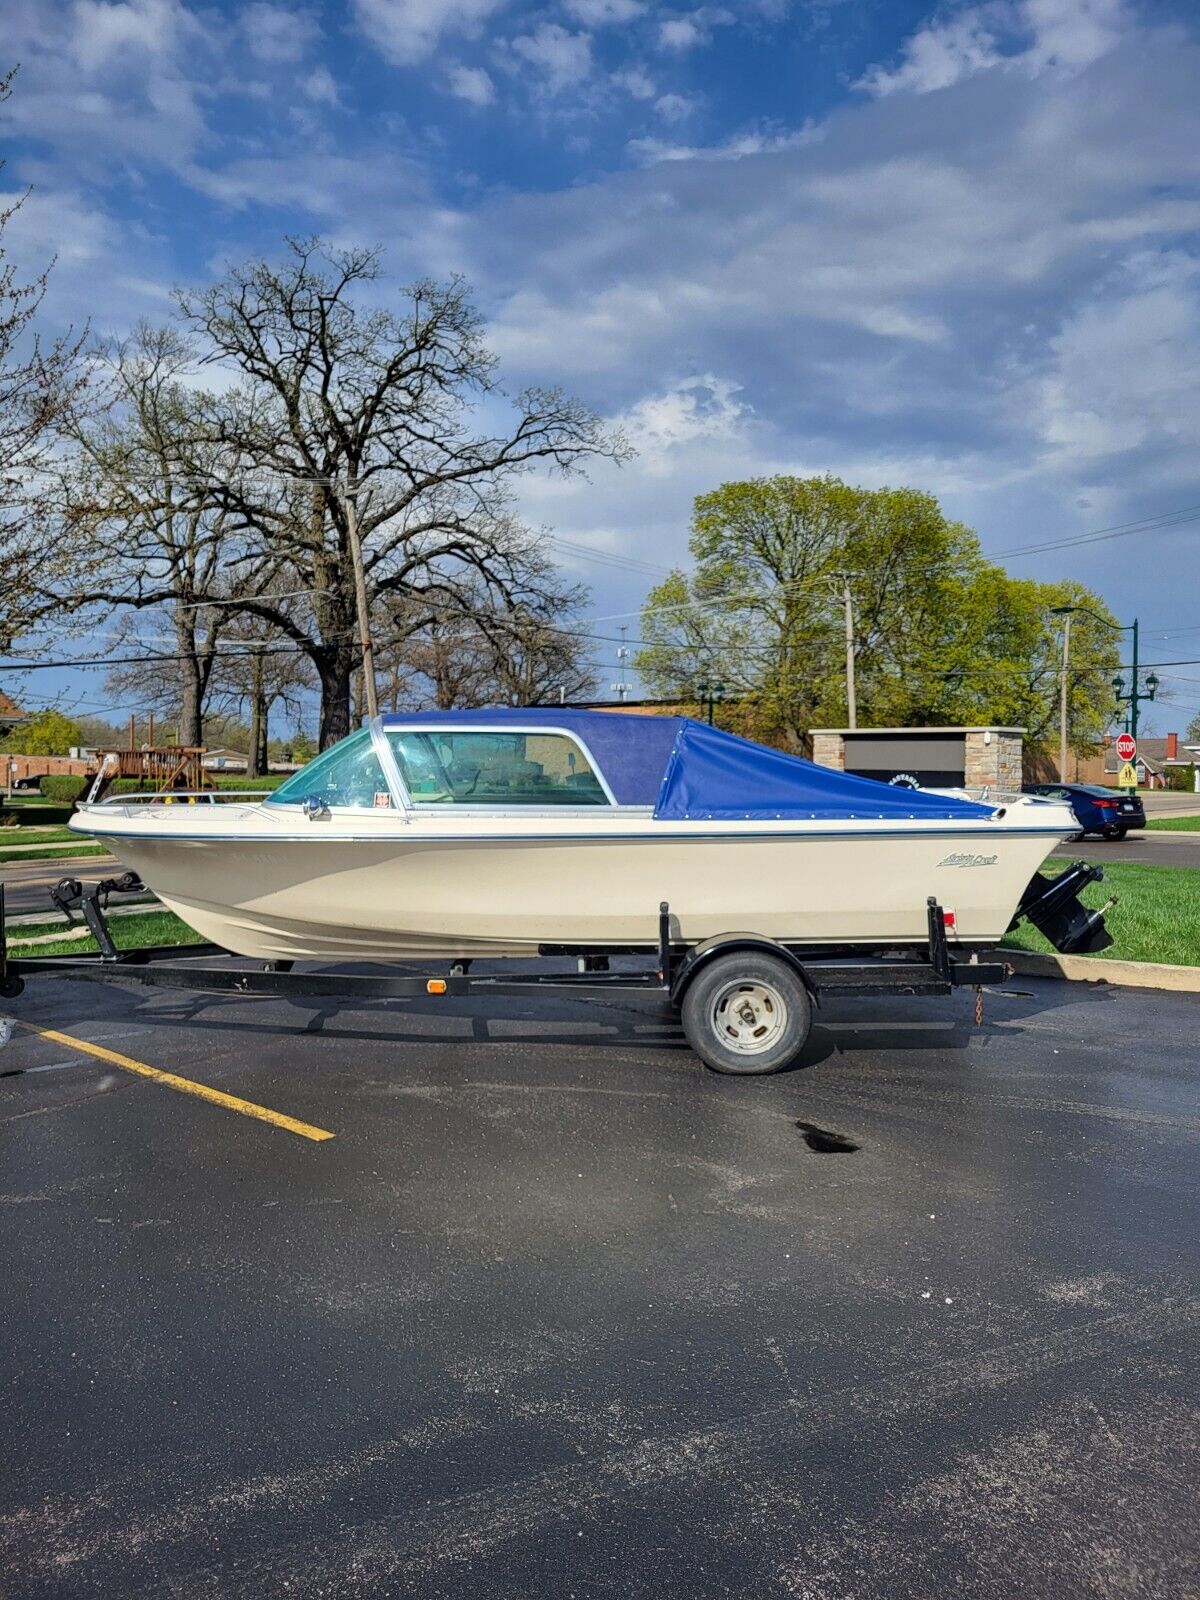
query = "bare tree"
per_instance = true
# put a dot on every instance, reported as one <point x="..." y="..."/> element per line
<point x="149" y="532"/>
<point x="398" y="412"/>
<point x="39" y="382"/>
<point x="523" y="646"/>
<point x="258" y="670"/>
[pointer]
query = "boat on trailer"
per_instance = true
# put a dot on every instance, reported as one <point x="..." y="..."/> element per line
<point x="527" y="833"/>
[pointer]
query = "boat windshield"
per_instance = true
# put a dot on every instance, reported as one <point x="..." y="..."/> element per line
<point x="347" y="775"/>
<point x="449" y="766"/>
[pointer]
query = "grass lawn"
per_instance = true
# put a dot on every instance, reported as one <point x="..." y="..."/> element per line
<point x="1157" y="917"/>
<point x="129" y="933"/>
<point x="40" y="835"/>
<point x="52" y="852"/>
<point x="1174" y="824"/>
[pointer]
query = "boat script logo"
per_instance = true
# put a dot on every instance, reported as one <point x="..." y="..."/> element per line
<point x="958" y="860"/>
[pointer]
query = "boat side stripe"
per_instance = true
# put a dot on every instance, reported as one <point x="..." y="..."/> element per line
<point x="415" y="836"/>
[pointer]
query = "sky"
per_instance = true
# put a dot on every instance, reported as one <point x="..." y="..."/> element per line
<point x="952" y="247"/>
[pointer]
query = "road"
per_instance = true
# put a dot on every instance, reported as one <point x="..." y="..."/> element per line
<point x="554" y="1312"/>
<point x="27" y="884"/>
<point x="1151" y="849"/>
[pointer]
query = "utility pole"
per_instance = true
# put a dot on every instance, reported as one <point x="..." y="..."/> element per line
<point x="851" y="694"/>
<point x="348" y="495"/>
<point x="621" y="688"/>
<point x="1062" y="701"/>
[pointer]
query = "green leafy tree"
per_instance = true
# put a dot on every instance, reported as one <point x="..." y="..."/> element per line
<point x="941" y="634"/>
<point x="49" y="733"/>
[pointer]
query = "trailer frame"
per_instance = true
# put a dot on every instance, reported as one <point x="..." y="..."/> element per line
<point x="823" y="973"/>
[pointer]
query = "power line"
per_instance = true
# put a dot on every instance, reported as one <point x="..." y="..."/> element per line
<point x="1118" y="530"/>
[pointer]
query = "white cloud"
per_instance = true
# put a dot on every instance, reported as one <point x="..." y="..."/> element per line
<point x="1073" y="33"/>
<point x="702" y="409"/>
<point x="675" y="107"/>
<point x="563" y="58"/>
<point x="1024" y="35"/>
<point x="938" y="55"/>
<point x="635" y="82"/>
<point x="101" y="32"/>
<point x="604" y="13"/>
<point x="407" y="31"/>
<point x="276" y="33"/>
<point x="753" y="142"/>
<point x="320" y="87"/>
<point x="107" y="82"/>
<point x="1125" y="367"/>
<point x="472" y="84"/>
<point x="693" y="28"/>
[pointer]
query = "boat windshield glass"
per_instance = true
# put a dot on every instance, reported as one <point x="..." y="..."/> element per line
<point x="447" y="766"/>
<point x="347" y="775"/>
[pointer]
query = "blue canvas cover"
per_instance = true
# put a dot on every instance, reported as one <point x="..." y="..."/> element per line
<point x="715" y="776"/>
<point x="631" y="751"/>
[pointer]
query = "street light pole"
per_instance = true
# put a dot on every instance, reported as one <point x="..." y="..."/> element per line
<point x="1131" y="699"/>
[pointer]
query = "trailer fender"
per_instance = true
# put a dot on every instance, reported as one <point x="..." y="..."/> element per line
<point x="723" y="944"/>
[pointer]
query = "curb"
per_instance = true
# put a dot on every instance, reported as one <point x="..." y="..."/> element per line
<point x="1090" y="969"/>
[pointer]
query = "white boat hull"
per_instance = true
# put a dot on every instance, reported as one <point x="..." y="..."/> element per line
<point x="391" y="891"/>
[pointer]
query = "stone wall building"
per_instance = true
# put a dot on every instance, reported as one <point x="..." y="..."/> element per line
<point x="956" y="757"/>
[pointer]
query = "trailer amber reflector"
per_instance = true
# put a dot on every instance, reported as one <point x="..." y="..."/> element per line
<point x="435" y="986"/>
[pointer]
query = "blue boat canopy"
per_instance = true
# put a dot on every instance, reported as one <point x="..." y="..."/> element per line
<point x="690" y="772"/>
<point x="715" y="776"/>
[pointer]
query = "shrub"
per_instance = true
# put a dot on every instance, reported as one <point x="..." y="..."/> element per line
<point x="62" y="786"/>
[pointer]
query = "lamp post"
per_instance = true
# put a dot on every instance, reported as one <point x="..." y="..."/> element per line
<point x="1135" y="695"/>
<point x="710" y="693"/>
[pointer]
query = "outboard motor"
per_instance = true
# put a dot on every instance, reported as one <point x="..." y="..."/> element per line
<point x="1053" y="906"/>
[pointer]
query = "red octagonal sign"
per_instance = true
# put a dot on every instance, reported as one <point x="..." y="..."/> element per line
<point x="1126" y="746"/>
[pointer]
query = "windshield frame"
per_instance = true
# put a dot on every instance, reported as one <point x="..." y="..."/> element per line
<point x="576" y="741"/>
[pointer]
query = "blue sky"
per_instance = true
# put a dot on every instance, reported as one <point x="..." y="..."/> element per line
<point x="953" y="247"/>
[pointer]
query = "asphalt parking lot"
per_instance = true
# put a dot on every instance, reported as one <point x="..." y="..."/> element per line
<point x="556" y="1313"/>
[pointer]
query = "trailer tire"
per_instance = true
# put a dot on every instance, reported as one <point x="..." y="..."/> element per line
<point x="747" y="1014"/>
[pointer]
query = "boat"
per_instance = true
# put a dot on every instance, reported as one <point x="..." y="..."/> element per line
<point x="522" y="832"/>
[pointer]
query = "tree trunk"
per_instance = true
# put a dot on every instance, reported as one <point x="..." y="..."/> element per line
<point x="191" y="711"/>
<point x="262" y="758"/>
<point x="191" y="682"/>
<point x="256" y="755"/>
<point x="335" y="668"/>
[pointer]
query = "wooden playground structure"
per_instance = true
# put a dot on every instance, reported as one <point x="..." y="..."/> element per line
<point x="159" y="768"/>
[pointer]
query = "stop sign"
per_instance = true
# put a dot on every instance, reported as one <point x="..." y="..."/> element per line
<point x="1126" y="746"/>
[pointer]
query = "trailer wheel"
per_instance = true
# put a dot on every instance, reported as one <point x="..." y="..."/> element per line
<point x="747" y="1013"/>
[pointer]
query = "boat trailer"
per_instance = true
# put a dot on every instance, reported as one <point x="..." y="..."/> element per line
<point x="745" y="1001"/>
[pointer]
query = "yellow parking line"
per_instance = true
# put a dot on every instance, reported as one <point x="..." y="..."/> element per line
<point x="231" y="1102"/>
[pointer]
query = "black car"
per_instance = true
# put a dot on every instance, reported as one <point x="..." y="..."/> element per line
<point x="1109" y="812"/>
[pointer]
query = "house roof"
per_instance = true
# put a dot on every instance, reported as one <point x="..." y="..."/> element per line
<point x="10" y="711"/>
